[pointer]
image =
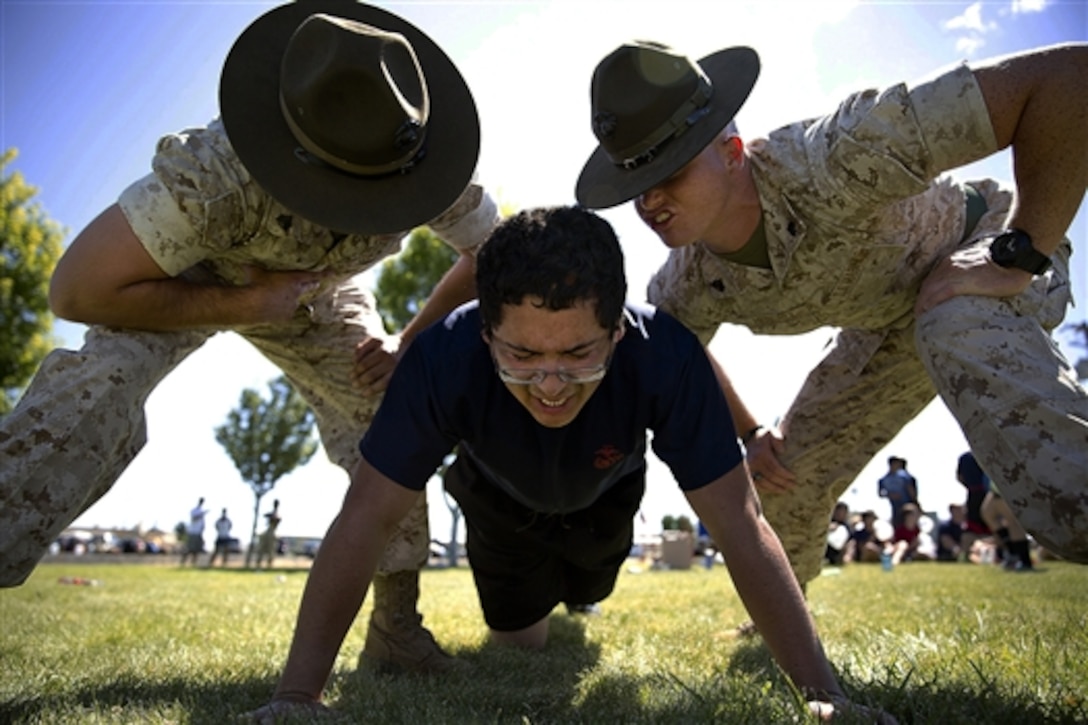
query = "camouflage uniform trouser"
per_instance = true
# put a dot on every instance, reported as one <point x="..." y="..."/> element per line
<point x="999" y="372"/>
<point x="81" y="421"/>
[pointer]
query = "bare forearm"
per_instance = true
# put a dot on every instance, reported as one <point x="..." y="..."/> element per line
<point x="339" y="579"/>
<point x="774" y="600"/>
<point x="1038" y="106"/>
<point x="743" y="420"/>
<point x="169" y="304"/>
<point x="763" y="579"/>
<point x="335" y="591"/>
<point x="107" y="277"/>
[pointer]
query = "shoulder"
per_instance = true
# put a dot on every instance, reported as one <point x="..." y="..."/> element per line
<point x="658" y="354"/>
<point x="197" y="181"/>
<point x="654" y="330"/>
<point x="446" y="343"/>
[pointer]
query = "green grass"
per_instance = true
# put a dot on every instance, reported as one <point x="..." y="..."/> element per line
<point x="931" y="643"/>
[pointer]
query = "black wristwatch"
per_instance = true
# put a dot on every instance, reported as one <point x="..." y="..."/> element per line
<point x="1013" y="248"/>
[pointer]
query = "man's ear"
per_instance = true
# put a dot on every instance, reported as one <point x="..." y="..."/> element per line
<point x="619" y="331"/>
<point x="732" y="149"/>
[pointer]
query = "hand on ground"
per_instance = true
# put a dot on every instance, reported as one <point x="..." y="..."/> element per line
<point x="292" y="710"/>
<point x="836" y="708"/>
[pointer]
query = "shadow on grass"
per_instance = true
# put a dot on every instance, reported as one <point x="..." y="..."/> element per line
<point x="136" y="700"/>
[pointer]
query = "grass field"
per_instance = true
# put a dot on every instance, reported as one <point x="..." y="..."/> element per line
<point x="931" y="643"/>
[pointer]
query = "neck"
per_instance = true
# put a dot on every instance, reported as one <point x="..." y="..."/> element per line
<point x="731" y="236"/>
<point x="739" y="216"/>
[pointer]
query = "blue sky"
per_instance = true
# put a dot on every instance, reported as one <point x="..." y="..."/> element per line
<point x="87" y="87"/>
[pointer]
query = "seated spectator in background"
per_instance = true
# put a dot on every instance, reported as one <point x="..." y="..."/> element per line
<point x="950" y="534"/>
<point x="909" y="542"/>
<point x="869" y="540"/>
<point x="838" y="535"/>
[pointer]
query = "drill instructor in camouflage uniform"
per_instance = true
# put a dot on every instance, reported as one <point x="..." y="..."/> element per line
<point x="841" y="220"/>
<point x="342" y="126"/>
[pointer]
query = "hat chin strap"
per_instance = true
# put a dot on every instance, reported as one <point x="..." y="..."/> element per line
<point x="411" y="135"/>
<point x="687" y="115"/>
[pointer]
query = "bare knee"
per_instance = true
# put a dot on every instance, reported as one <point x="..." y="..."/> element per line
<point x="535" y="636"/>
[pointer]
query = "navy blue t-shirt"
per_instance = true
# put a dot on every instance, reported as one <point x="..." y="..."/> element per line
<point x="445" y="392"/>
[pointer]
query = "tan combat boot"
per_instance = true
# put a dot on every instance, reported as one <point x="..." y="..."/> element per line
<point x="396" y="640"/>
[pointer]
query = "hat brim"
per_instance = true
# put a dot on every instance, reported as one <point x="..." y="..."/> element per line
<point x="603" y="184"/>
<point x="249" y="104"/>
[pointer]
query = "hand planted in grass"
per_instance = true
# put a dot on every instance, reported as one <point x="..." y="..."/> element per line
<point x="287" y="710"/>
<point x="833" y="708"/>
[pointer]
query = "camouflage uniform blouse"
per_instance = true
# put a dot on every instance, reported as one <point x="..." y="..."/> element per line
<point x="200" y="206"/>
<point x="853" y="217"/>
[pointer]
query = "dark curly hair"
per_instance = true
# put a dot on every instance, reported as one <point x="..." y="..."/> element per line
<point x="562" y="255"/>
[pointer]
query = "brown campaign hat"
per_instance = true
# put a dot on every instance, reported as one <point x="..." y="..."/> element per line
<point x="349" y="116"/>
<point x="653" y="111"/>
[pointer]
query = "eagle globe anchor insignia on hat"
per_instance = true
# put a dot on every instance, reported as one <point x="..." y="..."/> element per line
<point x="349" y="116"/>
<point x="654" y="110"/>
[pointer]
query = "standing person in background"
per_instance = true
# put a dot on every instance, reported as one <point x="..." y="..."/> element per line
<point x="268" y="544"/>
<point x="194" y="533"/>
<point x="899" y="487"/>
<point x="843" y="220"/>
<point x="223" y="526"/>
<point x="342" y="127"/>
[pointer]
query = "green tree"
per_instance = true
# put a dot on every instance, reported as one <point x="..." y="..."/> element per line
<point x="30" y="244"/>
<point x="407" y="279"/>
<point x="267" y="439"/>
<point x="402" y="288"/>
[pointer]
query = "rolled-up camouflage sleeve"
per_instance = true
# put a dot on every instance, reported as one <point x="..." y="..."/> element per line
<point x="466" y="224"/>
<point x="193" y="204"/>
<point x="892" y="144"/>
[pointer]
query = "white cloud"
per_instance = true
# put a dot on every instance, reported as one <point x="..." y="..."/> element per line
<point x="970" y="20"/>
<point x="971" y="23"/>
<point x="969" y="46"/>
<point x="1029" y="6"/>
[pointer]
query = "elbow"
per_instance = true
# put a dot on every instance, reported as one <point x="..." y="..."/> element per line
<point x="62" y="302"/>
<point x="65" y="299"/>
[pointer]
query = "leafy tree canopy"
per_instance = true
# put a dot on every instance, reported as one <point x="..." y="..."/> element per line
<point x="30" y="245"/>
<point x="267" y="438"/>
<point x="406" y="280"/>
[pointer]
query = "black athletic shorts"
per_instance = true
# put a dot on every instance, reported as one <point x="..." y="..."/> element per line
<point x="525" y="562"/>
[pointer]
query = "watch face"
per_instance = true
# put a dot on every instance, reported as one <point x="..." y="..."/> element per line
<point x="1013" y="248"/>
